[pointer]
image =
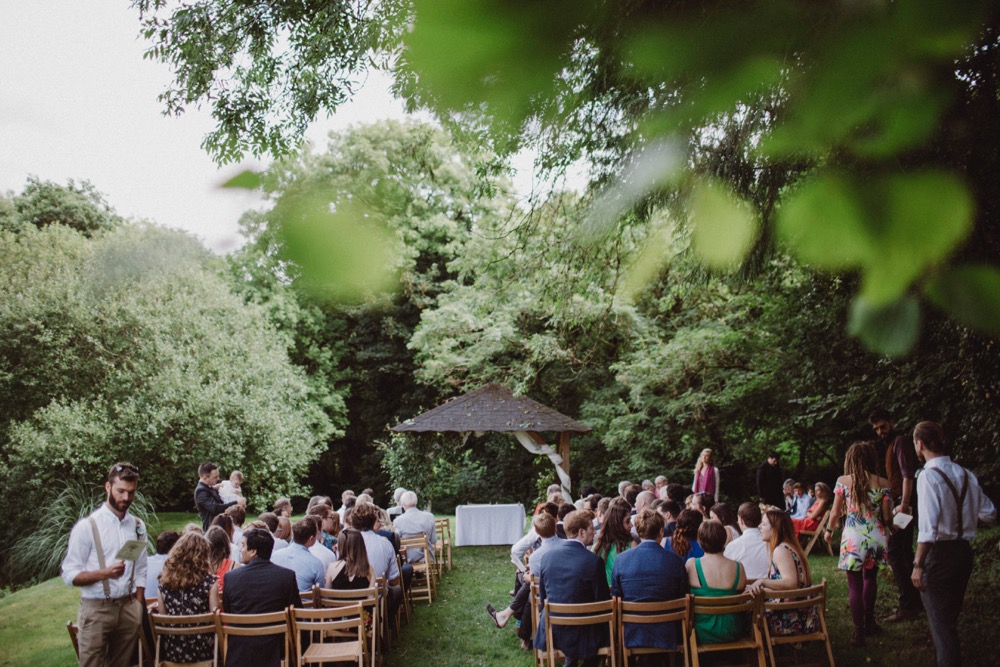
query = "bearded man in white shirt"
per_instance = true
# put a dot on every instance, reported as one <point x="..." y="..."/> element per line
<point x="112" y="591"/>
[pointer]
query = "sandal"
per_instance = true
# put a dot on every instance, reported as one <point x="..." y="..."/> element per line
<point x="493" y="614"/>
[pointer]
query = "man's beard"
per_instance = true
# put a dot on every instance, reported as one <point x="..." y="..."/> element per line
<point x="119" y="506"/>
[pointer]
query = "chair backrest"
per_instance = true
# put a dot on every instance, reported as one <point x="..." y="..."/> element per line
<point x="587" y="613"/>
<point x="253" y="625"/>
<point x="163" y="625"/>
<point x="73" y="631"/>
<point x="727" y="604"/>
<point x="800" y="599"/>
<point x="314" y="624"/>
<point x="416" y="542"/>
<point x="676" y="611"/>
<point x="308" y="598"/>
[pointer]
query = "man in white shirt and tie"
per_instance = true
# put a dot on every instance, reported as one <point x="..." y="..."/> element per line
<point x="112" y="590"/>
<point x="949" y="503"/>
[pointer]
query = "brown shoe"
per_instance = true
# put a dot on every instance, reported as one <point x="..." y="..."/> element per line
<point x="902" y="615"/>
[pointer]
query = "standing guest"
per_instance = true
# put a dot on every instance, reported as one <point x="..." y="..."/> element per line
<point x="414" y="522"/>
<point x="351" y="571"/>
<point x="769" y="481"/>
<point x="283" y="507"/>
<point x="220" y="560"/>
<point x="789" y="571"/>
<point x="232" y="488"/>
<point x="900" y="461"/>
<point x="750" y="549"/>
<point x="111" y="591"/>
<point x="225" y="522"/>
<point x="706" y="475"/>
<point x="569" y="573"/>
<point x="824" y="497"/>
<point x="714" y="575"/>
<point x="951" y="501"/>
<point x="238" y="515"/>
<point x="684" y="540"/>
<point x="864" y="498"/>
<point x="648" y="573"/>
<point x="725" y="515"/>
<point x="154" y="564"/>
<point x="206" y="499"/>
<point x="615" y="537"/>
<point x="308" y="569"/>
<point x="259" y="587"/>
<point x="188" y="587"/>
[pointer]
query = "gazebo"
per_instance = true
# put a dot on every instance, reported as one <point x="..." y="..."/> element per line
<point x="493" y="407"/>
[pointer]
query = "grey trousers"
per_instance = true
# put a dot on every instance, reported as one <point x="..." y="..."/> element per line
<point x="946" y="576"/>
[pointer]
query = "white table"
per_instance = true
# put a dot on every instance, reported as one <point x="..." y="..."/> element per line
<point x="488" y="524"/>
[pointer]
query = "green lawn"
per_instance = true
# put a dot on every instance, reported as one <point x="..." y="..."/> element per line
<point x="455" y="629"/>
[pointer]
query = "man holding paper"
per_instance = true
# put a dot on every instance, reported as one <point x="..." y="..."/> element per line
<point x="107" y="560"/>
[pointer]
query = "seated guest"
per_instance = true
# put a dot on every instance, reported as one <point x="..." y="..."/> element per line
<point x="396" y="509"/>
<point x="622" y="485"/>
<point x="259" y="587"/>
<point x="649" y="573"/>
<point x="824" y="498"/>
<point x="569" y="573"/>
<point x="232" y="488"/>
<point x="314" y="501"/>
<point x="531" y="539"/>
<point x="271" y="520"/>
<point x="238" y="515"/>
<point x="616" y="535"/>
<point x="647" y="485"/>
<point x="602" y="508"/>
<point x="415" y="522"/>
<point x="544" y="525"/>
<point x="789" y="570"/>
<point x="684" y="541"/>
<point x="322" y="554"/>
<point x="283" y="507"/>
<point x="551" y="489"/>
<point x="309" y="571"/>
<point x="632" y="492"/>
<point x="225" y="522"/>
<point x="725" y="515"/>
<point x="330" y="528"/>
<point x="564" y="511"/>
<point x="284" y="531"/>
<point x="670" y="509"/>
<point x="661" y="484"/>
<point x="749" y="549"/>
<point x="677" y="493"/>
<point x="714" y="575"/>
<point x="351" y="571"/>
<point x="803" y="501"/>
<point x="188" y="587"/>
<point x="381" y="553"/>
<point x="344" y="497"/>
<point x="154" y="564"/>
<point x="788" y="490"/>
<point x="220" y="560"/>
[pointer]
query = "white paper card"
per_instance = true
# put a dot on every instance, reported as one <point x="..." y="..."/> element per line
<point x="901" y="520"/>
<point x="131" y="550"/>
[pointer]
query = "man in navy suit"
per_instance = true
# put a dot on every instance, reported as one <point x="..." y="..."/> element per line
<point x="649" y="573"/>
<point x="259" y="587"/>
<point x="569" y="573"/>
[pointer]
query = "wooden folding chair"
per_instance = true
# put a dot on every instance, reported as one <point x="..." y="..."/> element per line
<point x="423" y="585"/>
<point x="814" y="535"/>
<point x="326" y="629"/>
<point x="537" y="653"/>
<point x="588" y="613"/>
<point x="255" y="625"/>
<point x="442" y="548"/>
<point x="368" y="598"/>
<point x="308" y="598"/>
<point x="673" y="611"/>
<point x="183" y="626"/>
<point x="799" y="599"/>
<point x="730" y="604"/>
<point x="407" y="597"/>
<point x="73" y="631"/>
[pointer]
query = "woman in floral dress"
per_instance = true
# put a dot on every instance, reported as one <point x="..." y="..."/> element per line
<point x="868" y="504"/>
<point x="789" y="570"/>
<point x="188" y="587"/>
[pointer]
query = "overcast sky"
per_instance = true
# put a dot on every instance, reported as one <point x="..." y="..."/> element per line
<point x="78" y="101"/>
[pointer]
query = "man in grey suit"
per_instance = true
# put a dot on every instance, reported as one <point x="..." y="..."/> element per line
<point x="412" y="523"/>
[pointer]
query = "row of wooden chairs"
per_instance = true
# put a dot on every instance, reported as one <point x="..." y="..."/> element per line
<point x="616" y="613"/>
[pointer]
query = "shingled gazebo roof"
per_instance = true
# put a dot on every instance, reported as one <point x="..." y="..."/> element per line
<point x="492" y="408"/>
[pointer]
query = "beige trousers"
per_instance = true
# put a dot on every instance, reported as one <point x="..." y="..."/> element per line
<point x="109" y="632"/>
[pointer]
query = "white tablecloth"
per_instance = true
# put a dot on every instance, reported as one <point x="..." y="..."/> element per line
<point x="488" y="524"/>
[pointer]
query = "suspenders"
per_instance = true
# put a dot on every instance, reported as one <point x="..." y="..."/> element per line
<point x="959" y="498"/>
<point x="100" y="559"/>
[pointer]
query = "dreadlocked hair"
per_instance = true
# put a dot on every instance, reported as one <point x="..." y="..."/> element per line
<point x="686" y="531"/>
<point x="860" y="465"/>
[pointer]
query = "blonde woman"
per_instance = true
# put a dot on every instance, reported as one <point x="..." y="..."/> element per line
<point x="706" y="476"/>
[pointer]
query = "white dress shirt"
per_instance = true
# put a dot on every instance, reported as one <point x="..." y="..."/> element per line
<point x="82" y="556"/>
<point x="521" y="547"/>
<point x="751" y="551"/>
<point x="937" y="516"/>
<point x="324" y="555"/>
<point x="154" y="566"/>
<point x="381" y="555"/>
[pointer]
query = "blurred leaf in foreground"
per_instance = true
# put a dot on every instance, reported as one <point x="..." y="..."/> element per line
<point x="891" y="329"/>
<point x="245" y="180"/>
<point x="971" y="294"/>
<point x="723" y="228"/>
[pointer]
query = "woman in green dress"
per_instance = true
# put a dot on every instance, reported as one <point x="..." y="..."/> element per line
<point x="616" y="534"/>
<point x="714" y="575"/>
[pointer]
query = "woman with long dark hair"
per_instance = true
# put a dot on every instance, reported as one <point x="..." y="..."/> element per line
<point x="616" y="534"/>
<point x="220" y="558"/>
<point x="352" y="570"/>
<point x="789" y="570"/>
<point x="187" y="587"/>
<point x="725" y="515"/>
<point x="865" y="499"/>
<point x="684" y="541"/>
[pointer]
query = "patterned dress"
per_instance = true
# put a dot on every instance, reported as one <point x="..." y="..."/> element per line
<point x="864" y="540"/>
<point x="795" y="621"/>
<point x="184" y="602"/>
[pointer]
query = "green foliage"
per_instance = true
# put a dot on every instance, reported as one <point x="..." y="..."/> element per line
<point x="131" y="346"/>
<point x="41" y="203"/>
<point x="38" y="555"/>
